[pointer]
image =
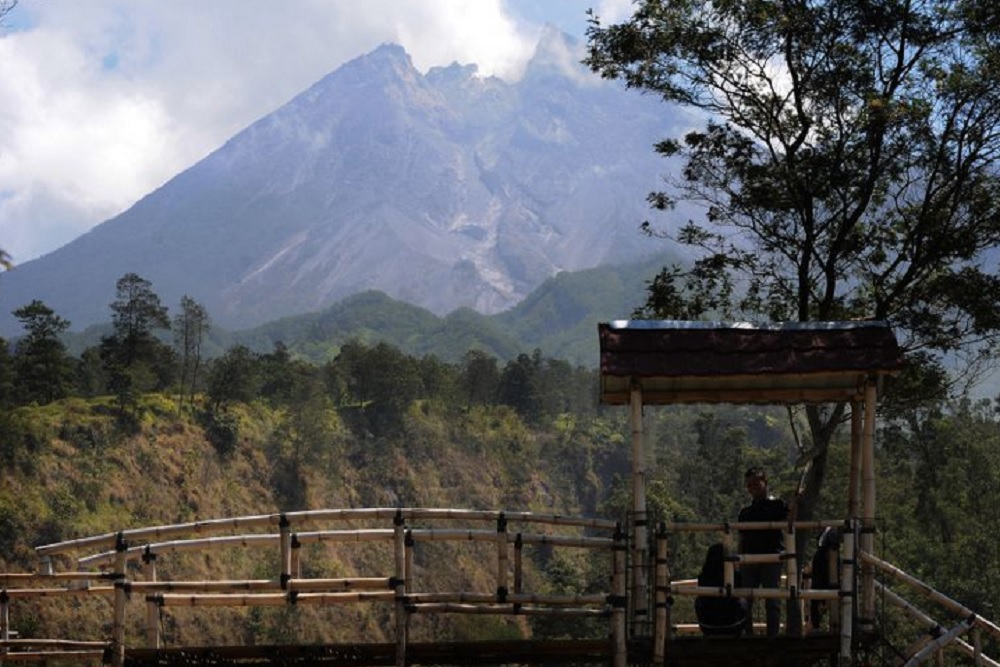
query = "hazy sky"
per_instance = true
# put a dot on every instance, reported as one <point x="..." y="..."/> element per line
<point x="102" y="101"/>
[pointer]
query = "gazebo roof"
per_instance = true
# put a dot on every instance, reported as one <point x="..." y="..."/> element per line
<point x="716" y="362"/>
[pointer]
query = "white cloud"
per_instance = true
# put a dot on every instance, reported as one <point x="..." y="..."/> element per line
<point x="105" y="100"/>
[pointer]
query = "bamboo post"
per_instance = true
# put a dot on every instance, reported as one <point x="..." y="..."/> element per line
<point x="847" y="599"/>
<point x="977" y="646"/>
<point x="639" y="546"/>
<point x="152" y="607"/>
<point x="619" y="599"/>
<point x="399" y="542"/>
<point x="408" y="565"/>
<point x="5" y="621"/>
<point x="285" y="541"/>
<point x="854" y="483"/>
<point x="833" y="567"/>
<point x="502" y="558"/>
<point x="118" y="625"/>
<point x="793" y="624"/>
<point x="728" y="562"/>
<point x="518" y="564"/>
<point x="296" y="564"/>
<point x="662" y="589"/>
<point x="868" y="510"/>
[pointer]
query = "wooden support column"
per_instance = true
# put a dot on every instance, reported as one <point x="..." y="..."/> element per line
<point x="118" y="624"/>
<point x="847" y="597"/>
<point x="502" y="565"/>
<point x="867" y="608"/>
<point x="152" y="603"/>
<point x="618" y="599"/>
<point x="854" y="482"/>
<point x="285" y="541"/>
<point x="639" y="518"/>
<point x="4" y="615"/>
<point x="518" y="563"/>
<point x="662" y="608"/>
<point x="399" y="586"/>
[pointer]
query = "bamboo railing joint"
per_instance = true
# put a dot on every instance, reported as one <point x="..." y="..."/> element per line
<point x="148" y="555"/>
<point x="293" y="597"/>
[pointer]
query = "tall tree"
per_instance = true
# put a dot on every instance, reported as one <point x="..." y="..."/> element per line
<point x="43" y="369"/>
<point x="136" y="315"/>
<point x="190" y="327"/>
<point x="847" y="167"/>
<point x="134" y="358"/>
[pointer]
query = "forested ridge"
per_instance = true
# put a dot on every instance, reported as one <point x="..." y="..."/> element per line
<point x="140" y="432"/>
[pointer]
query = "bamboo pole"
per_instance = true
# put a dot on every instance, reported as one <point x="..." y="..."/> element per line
<point x="504" y="609"/>
<point x="639" y="611"/>
<point x="296" y="564"/>
<point x="214" y="526"/>
<point x="722" y="527"/>
<point x="579" y="600"/>
<point x="943" y="600"/>
<point x="728" y="561"/>
<point x="410" y="570"/>
<point x="854" y="479"/>
<point x="619" y="587"/>
<point x="152" y="608"/>
<point x="518" y="564"/>
<point x="502" y="565"/>
<point x="934" y="647"/>
<point x="29" y="593"/>
<point x="662" y="588"/>
<point x="848" y="600"/>
<point x="53" y="643"/>
<point x="272" y="599"/>
<point x="399" y="588"/>
<point x="868" y="501"/>
<point x="252" y="585"/>
<point x="285" y="528"/>
<point x="118" y="625"/>
<point x="974" y="650"/>
<point x="22" y="578"/>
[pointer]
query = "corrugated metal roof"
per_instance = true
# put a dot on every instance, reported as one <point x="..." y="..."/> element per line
<point x="795" y="362"/>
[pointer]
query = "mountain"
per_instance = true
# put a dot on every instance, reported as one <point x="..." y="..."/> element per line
<point x="445" y="190"/>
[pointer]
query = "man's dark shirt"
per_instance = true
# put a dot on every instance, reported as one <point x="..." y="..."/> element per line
<point x="763" y="541"/>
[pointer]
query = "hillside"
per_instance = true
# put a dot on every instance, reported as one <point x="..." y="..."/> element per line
<point x="69" y="470"/>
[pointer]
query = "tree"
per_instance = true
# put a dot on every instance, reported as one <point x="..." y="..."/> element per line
<point x="235" y="376"/>
<point x="847" y="168"/>
<point x="190" y="327"/>
<point x="134" y="359"/>
<point x="42" y="367"/>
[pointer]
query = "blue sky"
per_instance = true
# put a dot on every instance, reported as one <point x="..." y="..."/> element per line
<point x="105" y="100"/>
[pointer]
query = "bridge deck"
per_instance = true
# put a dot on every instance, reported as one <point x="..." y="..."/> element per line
<point x="682" y="652"/>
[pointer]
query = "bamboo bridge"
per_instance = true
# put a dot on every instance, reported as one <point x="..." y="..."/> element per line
<point x="635" y="604"/>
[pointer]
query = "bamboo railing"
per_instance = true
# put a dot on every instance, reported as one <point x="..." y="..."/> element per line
<point x="410" y="527"/>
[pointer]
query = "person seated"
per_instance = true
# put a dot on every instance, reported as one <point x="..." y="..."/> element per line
<point x="723" y="616"/>
<point x="822" y="575"/>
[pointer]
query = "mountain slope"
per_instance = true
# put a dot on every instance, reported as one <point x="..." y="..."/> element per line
<point x="445" y="190"/>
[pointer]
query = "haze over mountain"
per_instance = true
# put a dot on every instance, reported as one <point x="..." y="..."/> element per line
<point x="444" y="190"/>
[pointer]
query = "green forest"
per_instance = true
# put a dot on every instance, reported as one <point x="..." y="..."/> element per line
<point x="138" y="431"/>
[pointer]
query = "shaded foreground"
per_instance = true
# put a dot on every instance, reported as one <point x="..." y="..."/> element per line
<point x="683" y="652"/>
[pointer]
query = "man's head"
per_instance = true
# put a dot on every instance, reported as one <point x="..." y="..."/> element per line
<point x="755" y="480"/>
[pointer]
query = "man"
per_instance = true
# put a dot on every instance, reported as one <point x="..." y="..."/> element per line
<point x="762" y="507"/>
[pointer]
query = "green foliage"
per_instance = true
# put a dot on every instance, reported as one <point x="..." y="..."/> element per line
<point x="41" y="365"/>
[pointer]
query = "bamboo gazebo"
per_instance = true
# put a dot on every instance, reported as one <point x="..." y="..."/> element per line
<point x="678" y="362"/>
